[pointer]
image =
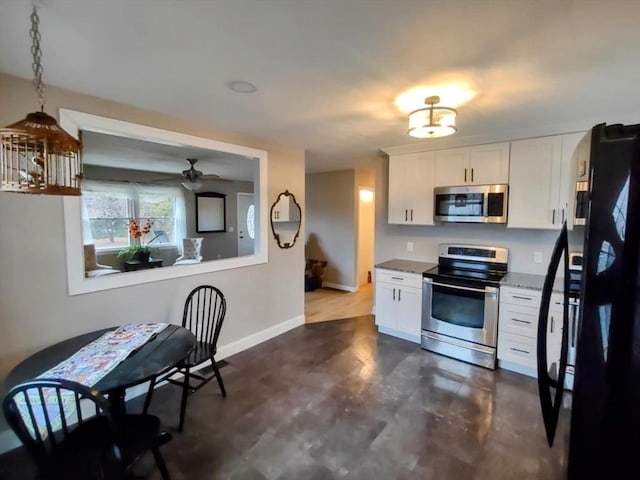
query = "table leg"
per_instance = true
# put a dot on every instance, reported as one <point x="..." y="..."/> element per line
<point x="116" y="399"/>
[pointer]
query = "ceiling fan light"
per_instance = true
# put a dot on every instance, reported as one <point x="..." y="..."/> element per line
<point x="432" y="121"/>
<point x="192" y="186"/>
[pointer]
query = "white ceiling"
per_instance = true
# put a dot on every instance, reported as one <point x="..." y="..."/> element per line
<point x="328" y="71"/>
<point x="131" y="154"/>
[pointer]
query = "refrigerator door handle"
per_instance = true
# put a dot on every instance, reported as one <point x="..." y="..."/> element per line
<point x="550" y="401"/>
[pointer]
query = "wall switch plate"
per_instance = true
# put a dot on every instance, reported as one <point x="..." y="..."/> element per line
<point x="537" y="257"/>
<point x="409" y="246"/>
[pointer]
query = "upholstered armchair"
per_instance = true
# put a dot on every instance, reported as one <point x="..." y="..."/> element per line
<point x="190" y="251"/>
<point x="91" y="266"/>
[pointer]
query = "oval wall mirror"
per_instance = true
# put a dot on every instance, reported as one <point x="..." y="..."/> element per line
<point x="285" y="219"/>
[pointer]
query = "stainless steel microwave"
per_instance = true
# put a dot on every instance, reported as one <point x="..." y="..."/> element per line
<point x="471" y="204"/>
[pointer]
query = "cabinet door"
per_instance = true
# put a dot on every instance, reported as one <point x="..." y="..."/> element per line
<point x="386" y="305"/>
<point x="534" y="183"/>
<point x="409" y="314"/>
<point x="574" y="148"/>
<point x="411" y="189"/>
<point x="452" y="167"/>
<point x="489" y="164"/>
<point x="282" y="212"/>
<point x="422" y="173"/>
<point x="399" y="197"/>
<point x="582" y="158"/>
<point x="554" y="339"/>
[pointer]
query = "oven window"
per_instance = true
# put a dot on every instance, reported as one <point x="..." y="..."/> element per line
<point x="458" y="307"/>
<point x="459" y="204"/>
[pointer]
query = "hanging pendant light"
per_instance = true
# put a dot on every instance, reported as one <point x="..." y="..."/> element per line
<point x="432" y="121"/>
<point x="37" y="155"/>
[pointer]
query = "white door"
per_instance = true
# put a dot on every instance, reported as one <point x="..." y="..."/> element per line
<point x="246" y="224"/>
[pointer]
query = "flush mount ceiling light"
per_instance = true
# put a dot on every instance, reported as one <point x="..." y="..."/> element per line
<point x="37" y="155"/>
<point x="432" y="121"/>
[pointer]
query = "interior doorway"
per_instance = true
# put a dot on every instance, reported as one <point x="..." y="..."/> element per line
<point x="325" y="304"/>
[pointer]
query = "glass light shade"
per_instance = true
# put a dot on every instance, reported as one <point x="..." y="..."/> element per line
<point x="431" y="122"/>
<point x="192" y="186"/>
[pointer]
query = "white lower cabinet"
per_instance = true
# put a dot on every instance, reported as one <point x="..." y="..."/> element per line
<point x="398" y="303"/>
<point x="518" y="329"/>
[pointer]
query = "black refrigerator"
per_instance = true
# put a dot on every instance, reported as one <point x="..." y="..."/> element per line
<point x="604" y="439"/>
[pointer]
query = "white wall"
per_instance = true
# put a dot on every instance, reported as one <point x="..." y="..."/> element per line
<point x="391" y="240"/>
<point x="35" y="309"/>
<point x="365" y="179"/>
<point x="331" y="225"/>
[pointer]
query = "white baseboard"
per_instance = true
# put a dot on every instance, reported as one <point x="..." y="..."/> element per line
<point x="337" y="286"/>
<point x="8" y="440"/>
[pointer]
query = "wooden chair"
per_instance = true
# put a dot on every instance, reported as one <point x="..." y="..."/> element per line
<point x="67" y="443"/>
<point x="204" y="312"/>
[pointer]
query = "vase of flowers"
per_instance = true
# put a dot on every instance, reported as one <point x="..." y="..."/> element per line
<point x="138" y="250"/>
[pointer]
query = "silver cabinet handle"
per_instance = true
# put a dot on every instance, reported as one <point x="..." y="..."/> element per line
<point x="465" y="175"/>
<point x="551" y="327"/>
<point x="406" y="215"/>
<point x="472" y="174"/>
<point x="394" y="293"/>
<point x="399" y="293"/>
<point x="563" y="215"/>
<point x="412" y="214"/>
<point x="518" y="350"/>
<point x="397" y="278"/>
<point x="521" y="321"/>
<point x="553" y="217"/>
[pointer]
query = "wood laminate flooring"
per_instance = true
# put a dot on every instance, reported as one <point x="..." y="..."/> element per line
<point x="325" y="303"/>
<point x="337" y="400"/>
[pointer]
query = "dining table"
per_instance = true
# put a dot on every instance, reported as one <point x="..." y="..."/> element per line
<point x="157" y="356"/>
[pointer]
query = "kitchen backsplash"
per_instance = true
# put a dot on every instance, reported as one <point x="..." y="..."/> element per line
<point x="421" y="243"/>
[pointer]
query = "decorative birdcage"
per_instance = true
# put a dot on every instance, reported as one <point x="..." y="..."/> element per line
<point x="36" y="154"/>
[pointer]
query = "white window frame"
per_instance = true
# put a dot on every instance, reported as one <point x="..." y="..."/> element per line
<point x="73" y="122"/>
<point x="132" y="191"/>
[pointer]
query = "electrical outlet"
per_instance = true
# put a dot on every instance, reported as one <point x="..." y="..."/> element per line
<point x="409" y="246"/>
<point x="537" y="257"/>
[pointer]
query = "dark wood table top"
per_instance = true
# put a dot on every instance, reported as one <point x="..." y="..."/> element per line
<point x="155" y="357"/>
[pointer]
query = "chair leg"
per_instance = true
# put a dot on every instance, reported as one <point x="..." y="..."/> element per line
<point x="183" y="402"/>
<point x="218" y="377"/>
<point x="147" y="401"/>
<point x="162" y="466"/>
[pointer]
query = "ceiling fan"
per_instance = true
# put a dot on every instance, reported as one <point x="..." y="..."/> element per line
<point x="192" y="179"/>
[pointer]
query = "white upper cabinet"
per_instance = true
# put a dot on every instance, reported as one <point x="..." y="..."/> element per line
<point x="542" y="176"/>
<point x="489" y="163"/>
<point x="475" y="165"/>
<point x="411" y="188"/>
<point x="285" y="210"/>
<point x="582" y="154"/>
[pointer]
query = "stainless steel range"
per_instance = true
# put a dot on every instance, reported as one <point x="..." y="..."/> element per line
<point x="460" y="302"/>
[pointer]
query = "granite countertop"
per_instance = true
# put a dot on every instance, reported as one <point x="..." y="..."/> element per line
<point x="528" y="280"/>
<point x="408" y="266"/>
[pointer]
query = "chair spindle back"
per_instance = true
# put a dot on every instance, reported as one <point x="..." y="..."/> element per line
<point x="204" y="312"/>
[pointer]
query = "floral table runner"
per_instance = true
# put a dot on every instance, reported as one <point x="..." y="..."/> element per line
<point x="88" y="366"/>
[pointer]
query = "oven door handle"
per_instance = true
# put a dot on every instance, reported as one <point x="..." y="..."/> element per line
<point x="488" y="290"/>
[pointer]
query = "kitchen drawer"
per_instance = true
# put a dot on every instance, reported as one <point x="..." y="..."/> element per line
<point x="518" y="319"/>
<point x="517" y="349"/>
<point x="399" y="278"/>
<point x="520" y="296"/>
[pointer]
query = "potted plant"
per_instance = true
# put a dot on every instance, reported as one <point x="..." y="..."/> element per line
<point x="137" y="250"/>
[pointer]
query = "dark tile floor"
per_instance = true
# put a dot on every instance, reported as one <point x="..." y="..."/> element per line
<point x="337" y="400"/>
